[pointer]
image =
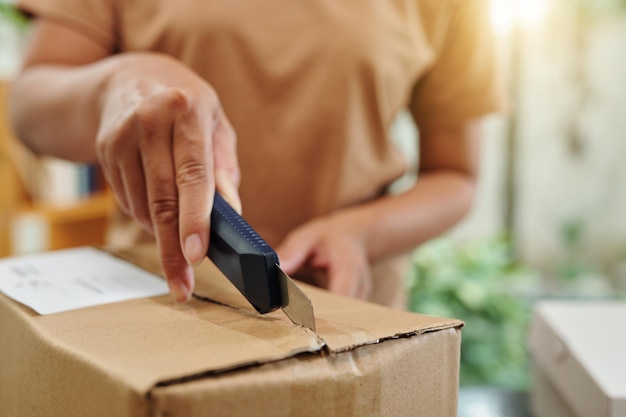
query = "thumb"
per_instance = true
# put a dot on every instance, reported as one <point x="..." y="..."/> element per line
<point x="226" y="165"/>
<point x="228" y="189"/>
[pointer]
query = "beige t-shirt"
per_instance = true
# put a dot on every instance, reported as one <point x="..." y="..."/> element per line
<point x="310" y="86"/>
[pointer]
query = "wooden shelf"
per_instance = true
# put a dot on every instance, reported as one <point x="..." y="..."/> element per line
<point x="82" y="223"/>
<point x="92" y="207"/>
<point x="11" y="193"/>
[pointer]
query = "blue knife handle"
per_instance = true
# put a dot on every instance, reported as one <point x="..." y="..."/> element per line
<point x="244" y="257"/>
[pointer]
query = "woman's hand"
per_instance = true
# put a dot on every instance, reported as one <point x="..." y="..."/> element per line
<point x="157" y="129"/>
<point x="164" y="144"/>
<point x="333" y="250"/>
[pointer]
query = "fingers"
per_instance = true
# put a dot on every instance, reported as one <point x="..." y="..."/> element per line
<point x="106" y="157"/>
<point x="349" y="273"/>
<point x="337" y="263"/>
<point x="193" y="166"/>
<point x="294" y="252"/>
<point x="164" y="143"/>
<point x="114" y="178"/>
<point x="133" y="178"/>
<point x="162" y="195"/>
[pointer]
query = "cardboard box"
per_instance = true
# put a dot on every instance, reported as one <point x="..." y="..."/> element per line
<point x="579" y="350"/>
<point x="215" y="356"/>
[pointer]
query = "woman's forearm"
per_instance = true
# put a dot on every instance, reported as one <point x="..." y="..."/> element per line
<point x="342" y="246"/>
<point x="55" y="110"/>
<point x="399" y="223"/>
<point x="443" y="194"/>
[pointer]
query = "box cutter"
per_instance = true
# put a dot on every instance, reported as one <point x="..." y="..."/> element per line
<point x="253" y="266"/>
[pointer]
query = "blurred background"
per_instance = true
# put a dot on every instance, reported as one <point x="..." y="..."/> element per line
<point x="549" y="218"/>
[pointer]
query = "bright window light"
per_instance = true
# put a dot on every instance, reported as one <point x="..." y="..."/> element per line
<point x="505" y="14"/>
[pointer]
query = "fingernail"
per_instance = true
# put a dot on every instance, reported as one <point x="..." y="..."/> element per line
<point x="194" y="252"/>
<point x="179" y="291"/>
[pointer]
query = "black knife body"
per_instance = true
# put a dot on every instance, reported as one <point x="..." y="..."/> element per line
<point x="244" y="257"/>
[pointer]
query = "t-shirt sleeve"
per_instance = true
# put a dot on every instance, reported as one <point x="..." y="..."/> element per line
<point x="93" y="18"/>
<point x="463" y="81"/>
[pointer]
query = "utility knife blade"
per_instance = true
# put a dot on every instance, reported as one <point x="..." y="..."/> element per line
<point x="253" y="266"/>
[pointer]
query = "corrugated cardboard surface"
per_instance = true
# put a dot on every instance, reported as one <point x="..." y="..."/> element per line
<point x="579" y="347"/>
<point x="152" y="357"/>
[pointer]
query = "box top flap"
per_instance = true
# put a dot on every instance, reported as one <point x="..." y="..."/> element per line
<point x="591" y="332"/>
<point x="150" y="341"/>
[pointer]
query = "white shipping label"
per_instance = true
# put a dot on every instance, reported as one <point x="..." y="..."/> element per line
<point x="69" y="279"/>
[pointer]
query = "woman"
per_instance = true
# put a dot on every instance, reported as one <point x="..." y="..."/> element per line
<point x="283" y="106"/>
